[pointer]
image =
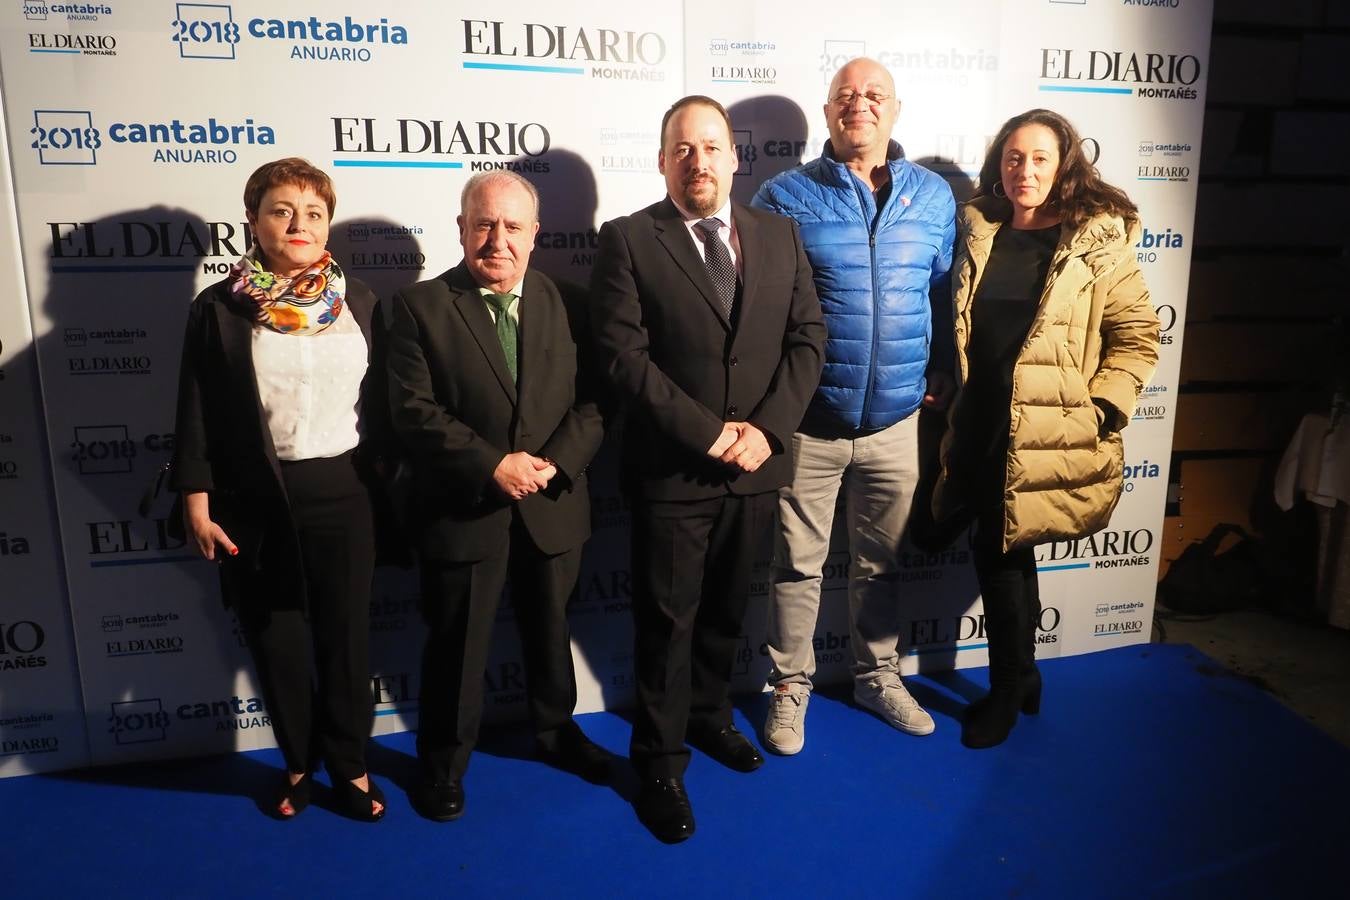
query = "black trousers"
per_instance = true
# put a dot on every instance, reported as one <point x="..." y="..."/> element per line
<point x="691" y="582"/>
<point x="310" y="642"/>
<point x="459" y="605"/>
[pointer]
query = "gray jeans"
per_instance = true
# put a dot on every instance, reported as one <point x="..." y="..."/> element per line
<point x="878" y="473"/>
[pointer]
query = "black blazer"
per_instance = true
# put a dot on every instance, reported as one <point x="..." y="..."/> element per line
<point x="682" y="369"/>
<point x="457" y="413"/>
<point x="222" y="444"/>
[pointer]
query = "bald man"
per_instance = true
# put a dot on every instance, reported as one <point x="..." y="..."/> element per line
<point x="878" y="231"/>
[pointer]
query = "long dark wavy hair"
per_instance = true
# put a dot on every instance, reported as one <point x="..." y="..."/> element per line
<point x="1079" y="191"/>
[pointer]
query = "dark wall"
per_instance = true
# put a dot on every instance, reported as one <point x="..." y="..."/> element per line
<point x="1265" y="322"/>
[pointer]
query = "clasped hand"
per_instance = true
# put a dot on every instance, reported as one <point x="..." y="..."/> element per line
<point x="742" y="445"/>
<point x="520" y="474"/>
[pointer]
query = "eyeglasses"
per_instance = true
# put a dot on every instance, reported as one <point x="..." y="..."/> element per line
<point x="848" y="98"/>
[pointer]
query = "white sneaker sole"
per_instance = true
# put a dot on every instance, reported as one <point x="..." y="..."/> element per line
<point x="784" y="750"/>
<point x="916" y="731"/>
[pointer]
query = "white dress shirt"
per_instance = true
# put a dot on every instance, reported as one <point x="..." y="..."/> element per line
<point x="727" y="233"/>
<point x="512" y="308"/>
<point x="310" y="388"/>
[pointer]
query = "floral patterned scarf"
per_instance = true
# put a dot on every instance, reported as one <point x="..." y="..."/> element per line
<point x="304" y="304"/>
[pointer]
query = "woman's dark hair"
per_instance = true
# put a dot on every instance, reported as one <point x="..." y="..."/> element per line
<point x="1079" y="191"/>
<point x="292" y="171"/>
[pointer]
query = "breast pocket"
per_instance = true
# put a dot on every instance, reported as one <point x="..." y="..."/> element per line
<point x="560" y="362"/>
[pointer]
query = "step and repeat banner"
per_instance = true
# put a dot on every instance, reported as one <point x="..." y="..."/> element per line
<point x="131" y="128"/>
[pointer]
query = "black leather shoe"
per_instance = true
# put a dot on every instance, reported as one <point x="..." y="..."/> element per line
<point x="439" y="801"/>
<point x="729" y="747"/>
<point x="663" y="806"/>
<point x="573" y="752"/>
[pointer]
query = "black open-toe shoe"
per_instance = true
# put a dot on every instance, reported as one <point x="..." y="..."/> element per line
<point x="297" y="795"/>
<point x="357" y="804"/>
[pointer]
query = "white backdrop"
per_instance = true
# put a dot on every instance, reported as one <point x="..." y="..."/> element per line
<point x="132" y="127"/>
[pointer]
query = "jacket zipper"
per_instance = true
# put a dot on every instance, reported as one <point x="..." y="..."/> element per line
<point x="876" y="287"/>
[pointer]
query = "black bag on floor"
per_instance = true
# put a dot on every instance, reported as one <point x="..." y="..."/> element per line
<point x="1202" y="580"/>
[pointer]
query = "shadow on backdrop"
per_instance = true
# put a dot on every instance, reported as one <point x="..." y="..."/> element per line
<point x="117" y="298"/>
<point x="771" y="135"/>
<point x="384" y="254"/>
<point x="962" y="184"/>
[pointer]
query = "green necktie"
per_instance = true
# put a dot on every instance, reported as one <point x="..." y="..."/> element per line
<point x="506" y="328"/>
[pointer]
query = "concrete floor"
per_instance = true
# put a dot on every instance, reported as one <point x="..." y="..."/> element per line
<point x="1306" y="665"/>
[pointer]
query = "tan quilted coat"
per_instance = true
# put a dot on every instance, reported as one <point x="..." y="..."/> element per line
<point x="1095" y="335"/>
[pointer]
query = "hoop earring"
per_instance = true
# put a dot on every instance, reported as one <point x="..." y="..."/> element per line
<point x="998" y="191"/>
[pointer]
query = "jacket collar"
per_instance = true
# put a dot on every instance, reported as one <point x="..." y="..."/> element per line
<point x="469" y="304"/>
<point x="895" y="161"/>
<point x="1102" y="233"/>
<point x="672" y="234"/>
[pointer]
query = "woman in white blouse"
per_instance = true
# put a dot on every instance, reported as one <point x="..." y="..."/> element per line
<point x="278" y="408"/>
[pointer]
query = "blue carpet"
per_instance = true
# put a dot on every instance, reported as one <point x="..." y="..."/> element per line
<point x="1151" y="771"/>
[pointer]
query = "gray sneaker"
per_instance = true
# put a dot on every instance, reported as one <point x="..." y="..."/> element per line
<point x="886" y="696"/>
<point x="785" y="726"/>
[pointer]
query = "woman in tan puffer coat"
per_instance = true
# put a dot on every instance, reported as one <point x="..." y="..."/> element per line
<point x="1055" y="338"/>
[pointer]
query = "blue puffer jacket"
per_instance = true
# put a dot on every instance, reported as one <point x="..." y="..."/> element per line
<point x="882" y="281"/>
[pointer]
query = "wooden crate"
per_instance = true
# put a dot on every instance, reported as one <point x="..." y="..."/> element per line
<point x="1257" y="420"/>
<point x="1258" y="353"/>
<point x="1231" y="287"/>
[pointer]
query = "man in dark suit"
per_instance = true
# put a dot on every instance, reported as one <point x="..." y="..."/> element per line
<point x="490" y="400"/>
<point x="707" y="323"/>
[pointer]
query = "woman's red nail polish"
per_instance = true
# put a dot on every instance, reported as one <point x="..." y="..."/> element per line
<point x="234" y="551"/>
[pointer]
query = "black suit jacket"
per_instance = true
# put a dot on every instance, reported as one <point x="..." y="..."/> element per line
<point x="682" y="368"/>
<point x="457" y="413"/>
<point x="222" y="443"/>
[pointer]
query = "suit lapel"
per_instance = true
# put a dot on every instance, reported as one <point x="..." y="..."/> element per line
<point x="533" y="333"/>
<point x="672" y="235"/>
<point x="752" y="256"/>
<point x="470" y="306"/>
<point x="236" y="344"/>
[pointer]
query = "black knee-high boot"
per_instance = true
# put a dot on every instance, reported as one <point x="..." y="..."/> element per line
<point x="1011" y="608"/>
<point x="1030" y="675"/>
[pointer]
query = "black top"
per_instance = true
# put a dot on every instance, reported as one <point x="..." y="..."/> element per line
<point x="1001" y="314"/>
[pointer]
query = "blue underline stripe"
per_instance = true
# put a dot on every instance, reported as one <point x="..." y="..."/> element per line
<point x="36" y="50"/>
<point x="1065" y="89"/>
<point x="100" y="564"/>
<point x="168" y="267"/>
<point x="516" y="67"/>
<point x="1060" y="568"/>
<point x="394" y="164"/>
<point x="947" y="648"/>
<point x="397" y="710"/>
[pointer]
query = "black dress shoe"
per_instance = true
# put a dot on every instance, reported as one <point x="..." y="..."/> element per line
<point x="663" y="806"/>
<point x="729" y="747"/>
<point x="573" y="752"/>
<point x="439" y="801"/>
